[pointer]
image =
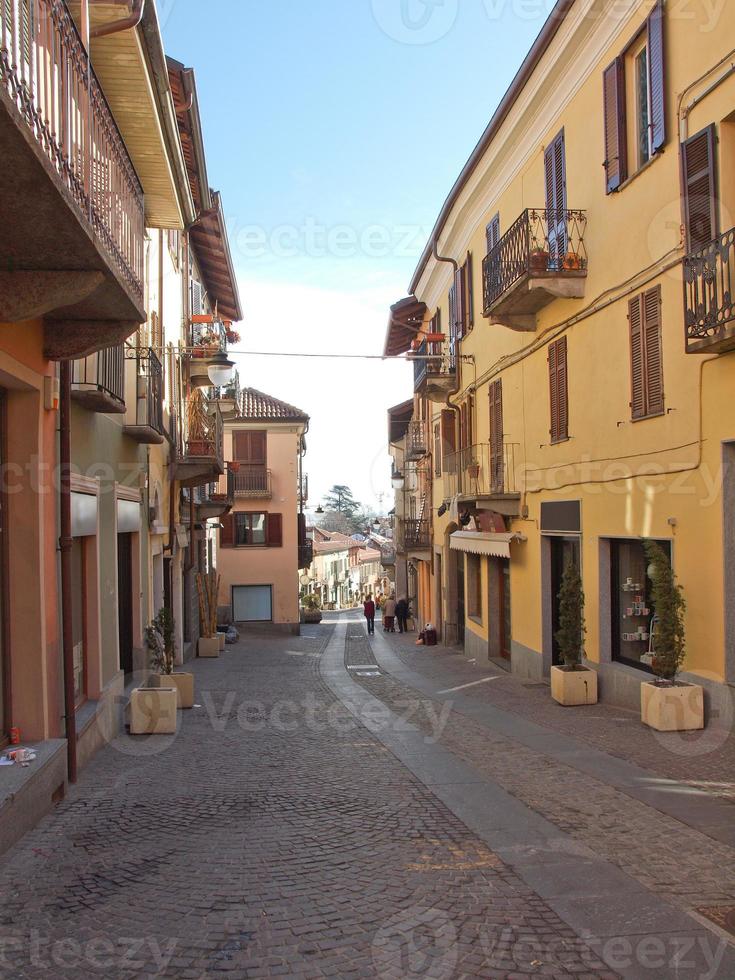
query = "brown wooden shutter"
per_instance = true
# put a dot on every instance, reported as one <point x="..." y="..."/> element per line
<point x="437" y="450"/>
<point x="459" y="302"/>
<point x="250" y="447"/>
<point x="558" y="390"/>
<point x="470" y="412"/>
<point x="657" y="77"/>
<point x="654" y="375"/>
<point x="700" y="188"/>
<point x="497" y="475"/>
<point x="227" y="533"/>
<point x="274" y="531"/>
<point x="556" y="199"/>
<point x="637" y="380"/>
<point x="492" y="233"/>
<point x="469" y="297"/>
<point x="616" y="143"/>
<point x="449" y="440"/>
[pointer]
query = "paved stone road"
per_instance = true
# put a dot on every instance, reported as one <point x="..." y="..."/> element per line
<point x="273" y="836"/>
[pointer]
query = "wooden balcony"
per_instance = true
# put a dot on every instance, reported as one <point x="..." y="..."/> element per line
<point x="542" y="257"/>
<point x="417" y="440"/>
<point x="98" y="381"/>
<point x="200" y="455"/>
<point x="146" y="424"/>
<point x="435" y="370"/>
<point x="73" y="214"/>
<point x="709" y="297"/>
<point x="477" y="475"/>
<point x="253" y="482"/>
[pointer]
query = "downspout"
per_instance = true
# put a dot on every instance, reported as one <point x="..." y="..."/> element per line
<point x="65" y="546"/>
<point x="455" y="408"/>
<point x="124" y="24"/>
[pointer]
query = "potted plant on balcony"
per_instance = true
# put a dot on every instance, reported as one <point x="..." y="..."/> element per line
<point x="311" y="608"/>
<point x="572" y="262"/>
<point x="198" y="425"/>
<point x="159" y="639"/>
<point x="572" y="683"/>
<point x="539" y="260"/>
<point x="210" y="643"/>
<point x="667" y="704"/>
<point x="232" y="336"/>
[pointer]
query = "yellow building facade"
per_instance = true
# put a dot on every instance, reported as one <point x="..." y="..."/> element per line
<point x="574" y="365"/>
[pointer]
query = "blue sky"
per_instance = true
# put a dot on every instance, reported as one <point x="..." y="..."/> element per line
<point x="334" y="130"/>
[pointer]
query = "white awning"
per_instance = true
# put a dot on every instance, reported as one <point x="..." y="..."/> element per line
<point x="484" y="543"/>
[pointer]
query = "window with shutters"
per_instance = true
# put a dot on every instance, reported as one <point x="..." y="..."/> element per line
<point x="252" y="530"/>
<point x="646" y="356"/>
<point x="556" y="200"/>
<point x="250" y="447"/>
<point x="461" y="304"/>
<point x="558" y="389"/>
<point x="700" y="189"/>
<point x="497" y="456"/>
<point x="437" y="450"/>
<point x="492" y="233"/>
<point x="634" y="101"/>
<point x="449" y="441"/>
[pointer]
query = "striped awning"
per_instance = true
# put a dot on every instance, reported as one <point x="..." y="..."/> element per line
<point x="483" y="543"/>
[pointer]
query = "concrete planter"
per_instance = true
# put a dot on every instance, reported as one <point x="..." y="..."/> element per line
<point x="184" y="684"/>
<point x="221" y="637"/>
<point x="153" y="711"/>
<point x="672" y="709"/>
<point x="574" y="687"/>
<point x="311" y="616"/>
<point x="208" y="646"/>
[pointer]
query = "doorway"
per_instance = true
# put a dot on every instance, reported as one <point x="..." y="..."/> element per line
<point x="563" y="551"/>
<point x="499" y="619"/>
<point x="459" y="559"/>
<point x="125" y="601"/>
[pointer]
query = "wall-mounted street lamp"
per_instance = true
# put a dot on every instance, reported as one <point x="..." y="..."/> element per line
<point x="398" y="481"/>
<point x="221" y="370"/>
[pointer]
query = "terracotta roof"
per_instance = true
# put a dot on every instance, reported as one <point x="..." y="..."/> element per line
<point x="255" y="406"/>
<point x="368" y="555"/>
<point x="330" y="547"/>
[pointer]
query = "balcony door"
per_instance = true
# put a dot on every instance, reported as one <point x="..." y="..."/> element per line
<point x="556" y="200"/>
<point x="249" y="449"/>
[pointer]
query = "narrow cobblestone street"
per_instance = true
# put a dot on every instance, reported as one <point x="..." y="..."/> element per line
<point x="317" y="815"/>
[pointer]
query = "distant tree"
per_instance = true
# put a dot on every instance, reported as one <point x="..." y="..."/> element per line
<point x="340" y="498"/>
<point x="669" y="606"/>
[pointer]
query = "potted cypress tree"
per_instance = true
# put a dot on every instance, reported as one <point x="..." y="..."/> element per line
<point x="667" y="704"/>
<point x="572" y="683"/>
<point x="159" y="638"/>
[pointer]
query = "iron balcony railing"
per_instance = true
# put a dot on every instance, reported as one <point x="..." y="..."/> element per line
<point x="709" y="293"/>
<point x="540" y="243"/>
<point x="208" y="441"/>
<point x="101" y="373"/>
<point x="415" y="533"/>
<point x="482" y="470"/>
<point x="433" y="360"/>
<point x="306" y="554"/>
<point x="253" y="481"/>
<point x="417" y="442"/>
<point x="149" y="401"/>
<point x="47" y="75"/>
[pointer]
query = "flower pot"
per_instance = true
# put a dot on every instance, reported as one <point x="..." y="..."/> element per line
<point x="574" y="687"/>
<point x="183" y="682"/>
<point x="199" y="447"/>
<point x="234" y="466"/>
<point x="208" y="646"/>
<point x="221" y="637"/>
<point x="539" y="261"/>
<point x="153" y="710"/>
<point x="572" y="262"/>
<point x="672" y="708"/>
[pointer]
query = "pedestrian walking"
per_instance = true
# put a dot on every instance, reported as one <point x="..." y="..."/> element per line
<point x="402" y="615"/>
<point x="389" y="615"/>
<point x="369" y="608"/>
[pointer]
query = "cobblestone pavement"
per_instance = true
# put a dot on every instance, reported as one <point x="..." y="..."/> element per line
<point x="703" y="759"/>
<point x="684" y="866"/>
<point x="273" y="836"/>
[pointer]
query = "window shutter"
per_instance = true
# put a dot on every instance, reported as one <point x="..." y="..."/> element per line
<point x="638" y="395"/>
<point x="227" y="533"/>
<point x="274" y="531"/>
<point x="469" y="298"/>
<point x="492" y="233"/>
<point x="657" y="76"/>
<point x="249" y="447"/>
<point x="437" y="450"/>
<point x="553" y="394"/>
<point x="459" y="301"/>
<point x="559" y="388"/>
<point x="556" y="198"/>
<point x="449" y="439"/>
<point x="654" y="378"/>
<point x="700" y="188"/>
<point x="616" y="144"/>
<point x="497" y="475"/>
<point x="470" y="411"/>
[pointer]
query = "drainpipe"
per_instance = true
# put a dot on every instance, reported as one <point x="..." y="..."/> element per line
<point x="65" y="546"/>
<point x="455" y="390"/>
<point x="124" y="24"/>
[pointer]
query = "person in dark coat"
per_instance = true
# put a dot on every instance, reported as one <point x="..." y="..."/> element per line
<point x="369" y="608"/>
<point x="402" y="615"/>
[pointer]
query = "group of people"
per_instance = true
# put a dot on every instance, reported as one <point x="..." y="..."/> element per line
<point x="392" y="612"/>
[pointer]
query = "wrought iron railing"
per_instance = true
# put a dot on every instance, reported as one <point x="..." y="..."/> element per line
<point x="47" y="75"/>
<point x="539" y="243"/>
<point x="208" y="441"/>
<point x="709" y="291"/>
<point x="253" y="481"/>
<point x="417" y="443"/>
<point x="149" y="394"/>
<point x="482" y="470"/>
<point x="416" y="533"/>
<point x="306" y="554"/>
<point x="102" y="372"/>
<point x="433" y="360"/>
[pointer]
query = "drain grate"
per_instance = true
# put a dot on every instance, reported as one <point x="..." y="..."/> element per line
<point x="722" y="916"/>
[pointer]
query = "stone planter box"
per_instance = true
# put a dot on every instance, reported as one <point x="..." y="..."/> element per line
<point x="183" y="682"/>
<point x="153" y="711"/>
<point x="208" y="646"/>
<point x="574" y="687"/>
<point x="678" y="708"/>
<point x="311" y="616"/>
